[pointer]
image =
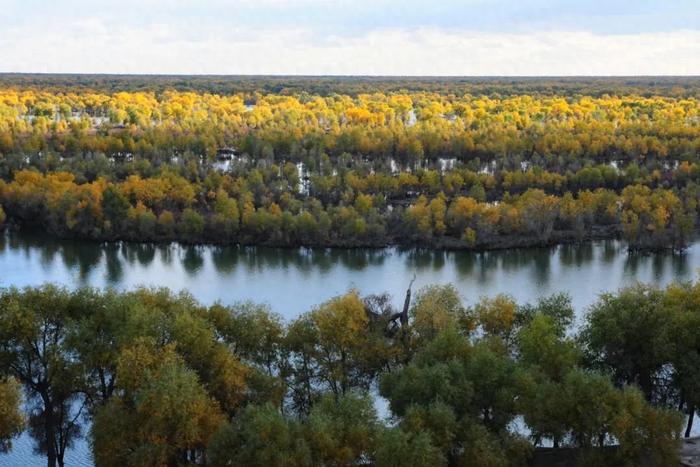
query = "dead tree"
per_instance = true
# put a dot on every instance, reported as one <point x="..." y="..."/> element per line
<point x="407" y="303"/>
<point x="403" y="315"/>
<point x="380" y="311"/>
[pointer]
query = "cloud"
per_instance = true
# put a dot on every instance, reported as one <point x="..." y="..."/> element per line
<point x="91" y="45"/>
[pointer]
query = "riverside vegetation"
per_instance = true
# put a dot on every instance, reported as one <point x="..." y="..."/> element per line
<point x="166" y="381"/>
<point x="352" y="161"/>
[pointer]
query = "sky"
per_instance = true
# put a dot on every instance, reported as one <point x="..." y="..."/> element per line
<point x="352" y="37"/>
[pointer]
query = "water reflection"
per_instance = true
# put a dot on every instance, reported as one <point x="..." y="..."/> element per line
<point x="292" y="280"/>
<point x="224" y="259"/>
<point x="356" y="259"/>
<point x="145" y="252"/>
<point x="114" y="268"/>
<point x="421" y="260"/>
<point x="166" y="254"/>
<point x="576" y="255"/>
<point x="609" y="251"/>
<point x="192" y="259"/>
<point x="465" y="264"/>
<point x="681" y="266"/>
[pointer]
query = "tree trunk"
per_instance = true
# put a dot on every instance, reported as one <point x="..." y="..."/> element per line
<point x="404" y="315"/>
<point x="51" y="454"/>
<point x="646" y="384"/>
<point x="307" y="386"/>
<point x="407" y="304"/>
<point x="691" y="415"/>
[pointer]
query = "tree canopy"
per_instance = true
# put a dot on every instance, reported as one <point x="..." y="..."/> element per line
<point x="161" y="379"/>
<point x="461" y="163"/>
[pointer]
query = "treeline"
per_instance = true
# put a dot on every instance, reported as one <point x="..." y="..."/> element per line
<point x="259" y="209"/>
<point x="164" y="380"/>
<point x="353" y="85"/>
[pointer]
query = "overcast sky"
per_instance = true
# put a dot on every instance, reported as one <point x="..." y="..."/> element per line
<point x="358" y="37"/>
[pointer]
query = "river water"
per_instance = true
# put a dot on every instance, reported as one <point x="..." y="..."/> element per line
<point x="292" y="281"/>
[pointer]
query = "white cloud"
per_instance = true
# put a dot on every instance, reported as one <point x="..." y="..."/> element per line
<point x="93" y="46"/>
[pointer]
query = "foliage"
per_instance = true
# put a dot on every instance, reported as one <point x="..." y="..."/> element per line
<point x="33" y="350"/>
<point x="159" y="411"/>
<point x="259" y="436"/>
<point x="449" y="163"/>
<point x="167" y="381"/>
<point x="11" y="420"/>
<point x="624" y="334"/>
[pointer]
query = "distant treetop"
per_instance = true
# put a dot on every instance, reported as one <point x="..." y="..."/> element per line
<point x="677" y="86"/>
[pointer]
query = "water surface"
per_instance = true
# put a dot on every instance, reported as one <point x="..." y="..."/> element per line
<point x="292" y="281"/>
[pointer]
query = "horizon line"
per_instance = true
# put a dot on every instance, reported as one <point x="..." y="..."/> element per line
<point x="302" y="75"/>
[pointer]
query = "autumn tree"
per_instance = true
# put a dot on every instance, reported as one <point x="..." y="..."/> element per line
<point x="160" y="413"/>
<point x="11" y="419"/>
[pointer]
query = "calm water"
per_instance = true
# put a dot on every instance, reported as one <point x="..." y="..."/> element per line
<point x="292" y="281"/>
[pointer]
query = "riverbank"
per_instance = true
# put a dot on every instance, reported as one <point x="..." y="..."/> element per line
<point x="492" y="243"/>
<point x="443" y="243"/>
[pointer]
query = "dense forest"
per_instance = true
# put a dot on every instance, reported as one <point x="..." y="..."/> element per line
<point x="449" y="162"/>
<point x="166" y="381"/>
<point x="647" y="86"/>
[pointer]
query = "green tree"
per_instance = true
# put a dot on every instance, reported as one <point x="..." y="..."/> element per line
<point x="464" y="395"/>
<point x="542" y="345"/>
<point x="477" y="192"/>
<point x="436" y="309"/>
<point x="105" y="324"/>
<point x="252" y="331"/>
<point x="301" y="368"/>
<point x="227" y="217"/>
<point x="192" y="225"/>
<point x="256" y="336"/>
<point x="683" y="301"/>
<point x="548" y="356"/>
<point x="627" y="334"/>
<point x="114" y="208"/>
<point x="259" y="436"/>
<point x="11" y="419"/>
<point x="398" y="448"/>
<point x="34" y="324"/>
<point x="166" y="224"/>
<point x="645" y="432"/>
<point x="342" y="431"/>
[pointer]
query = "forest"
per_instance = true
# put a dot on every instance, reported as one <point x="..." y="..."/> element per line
<point x="159" y="379"/>
<point x="330" y="161"/>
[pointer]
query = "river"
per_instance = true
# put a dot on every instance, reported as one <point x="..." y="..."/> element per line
<point x="292" y="281"/>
